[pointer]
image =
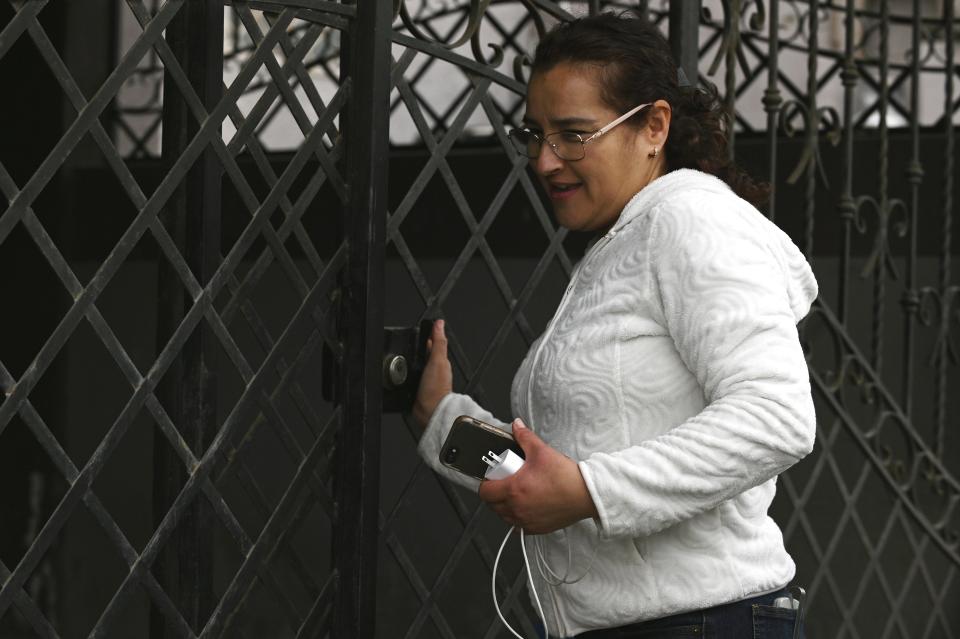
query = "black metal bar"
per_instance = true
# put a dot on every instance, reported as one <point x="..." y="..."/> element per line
<point x="910" y="301"/>
<point x="366" y="59"/>
<point x="195" y="36"/>
<point x="733" y="9"/>
<point x="883" y="214"/>
<point x="813" y="131"/>
<point x="771" y="103"/>
<point x="943" y="342"/>
<point x="847" y="206"/>
<point x="684" y="36"/>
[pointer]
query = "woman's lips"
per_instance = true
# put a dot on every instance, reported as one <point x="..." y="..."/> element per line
<point x="562" y="192"/>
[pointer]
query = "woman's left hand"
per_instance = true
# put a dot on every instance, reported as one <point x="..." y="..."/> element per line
<point x="546" y="494"/>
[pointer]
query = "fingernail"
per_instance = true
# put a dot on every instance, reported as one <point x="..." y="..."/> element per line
<point x="440" y="323"/>
<point x="519" y="423"/>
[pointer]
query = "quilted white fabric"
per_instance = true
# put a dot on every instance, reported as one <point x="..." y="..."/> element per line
<point x="672" y="373"/>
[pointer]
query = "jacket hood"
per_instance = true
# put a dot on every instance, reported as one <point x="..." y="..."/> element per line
<point x="799" y="279"/>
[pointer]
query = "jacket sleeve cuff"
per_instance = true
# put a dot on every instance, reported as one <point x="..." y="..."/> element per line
<point x="450" y="407"/>
<point x="602" y="520"/>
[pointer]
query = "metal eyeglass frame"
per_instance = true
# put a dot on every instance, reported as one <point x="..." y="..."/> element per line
<point x="583" y="143"/>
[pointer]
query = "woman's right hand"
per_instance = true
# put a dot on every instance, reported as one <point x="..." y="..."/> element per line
<point x="437" y="380"/>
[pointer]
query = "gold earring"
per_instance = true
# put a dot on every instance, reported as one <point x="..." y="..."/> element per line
<point x="655" y="152"/>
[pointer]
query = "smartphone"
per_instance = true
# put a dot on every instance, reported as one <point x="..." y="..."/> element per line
<point x="469" y="440"/>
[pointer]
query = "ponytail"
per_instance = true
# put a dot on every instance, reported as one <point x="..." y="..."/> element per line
<point x="698" y="140"/>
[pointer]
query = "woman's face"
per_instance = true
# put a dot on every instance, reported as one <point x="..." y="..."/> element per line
<point x="587" y="194"/>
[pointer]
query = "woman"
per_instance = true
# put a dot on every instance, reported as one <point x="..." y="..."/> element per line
<point x="669" y="389"/>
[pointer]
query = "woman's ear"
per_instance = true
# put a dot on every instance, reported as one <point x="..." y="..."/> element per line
<point x="658" y="123"/>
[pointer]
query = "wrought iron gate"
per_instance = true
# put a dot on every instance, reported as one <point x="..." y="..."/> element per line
<point x="204" y="222"/>
<point x="230" y="379"/>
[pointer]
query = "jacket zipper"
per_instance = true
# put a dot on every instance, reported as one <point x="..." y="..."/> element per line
<point x="536" y="358"/>
<point x="556" y="316"/>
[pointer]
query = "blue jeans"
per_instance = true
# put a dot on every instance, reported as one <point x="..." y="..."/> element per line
<point x="754" y="618"/>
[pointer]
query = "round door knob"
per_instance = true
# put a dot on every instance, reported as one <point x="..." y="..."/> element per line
<point x="396" y="369"/>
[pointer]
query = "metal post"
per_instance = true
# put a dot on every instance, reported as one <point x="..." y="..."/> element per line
<point x="734" y="9"/>
<point x="878" y="321"/>
<point x="685" y="36"/>
<point x="366" y="62"/>
<point x="812" y="130"/>
<point x="949" y="160"/>
<point x="193" y="219"/>
<point x="847" y="206"/>
<point x="910" y="300"/>
<point x="772" y="100"/>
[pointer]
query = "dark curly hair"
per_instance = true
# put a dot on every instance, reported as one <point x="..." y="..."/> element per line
<point x="636" y="67"/>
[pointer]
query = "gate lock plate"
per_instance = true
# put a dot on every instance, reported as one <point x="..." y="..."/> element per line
<point x="404" y="357"/>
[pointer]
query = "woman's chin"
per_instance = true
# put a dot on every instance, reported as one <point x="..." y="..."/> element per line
<point x="568" y="216"/>
<point x="565" y="223"/>
<point x="571" y="220"/>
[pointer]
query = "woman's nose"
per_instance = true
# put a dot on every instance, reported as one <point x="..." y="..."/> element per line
<point x="547" y="162"/>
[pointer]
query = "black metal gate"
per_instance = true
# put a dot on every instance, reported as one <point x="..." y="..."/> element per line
<point x="230" y="379"/>
<point x="196" y="236"/>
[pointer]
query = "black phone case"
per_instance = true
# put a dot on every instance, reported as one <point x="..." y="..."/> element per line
<point x="469" y="440"/>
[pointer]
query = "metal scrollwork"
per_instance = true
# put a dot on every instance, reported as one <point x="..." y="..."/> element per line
<point x="476" y="12"/>
<point x="928" y="52"/>
<point x="538" y="22"/>
<point x="471" y="32"/>
<point x="906" y="461"/>
<point x="523" y="60"/>
<point x="880" y="255"/>
<point x="730" y="39"/>
<point x="824" y="120"/>
<point x="797" y="21"/>
<point x="902" y="465"/>
<point x="756" y="19"/>
<point x="519" y="63"/>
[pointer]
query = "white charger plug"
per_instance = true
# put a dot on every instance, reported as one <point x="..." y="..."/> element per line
<point x="503" y="465"/>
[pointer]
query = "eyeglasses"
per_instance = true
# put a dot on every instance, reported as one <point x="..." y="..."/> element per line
<point x="567" y="145"/>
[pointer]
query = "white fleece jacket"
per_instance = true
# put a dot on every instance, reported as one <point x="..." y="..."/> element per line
<point x="673" y="374"/>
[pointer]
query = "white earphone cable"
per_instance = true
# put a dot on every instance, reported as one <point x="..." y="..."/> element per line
<point x="533" y="589"/>
<point x="554" y="579"/>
